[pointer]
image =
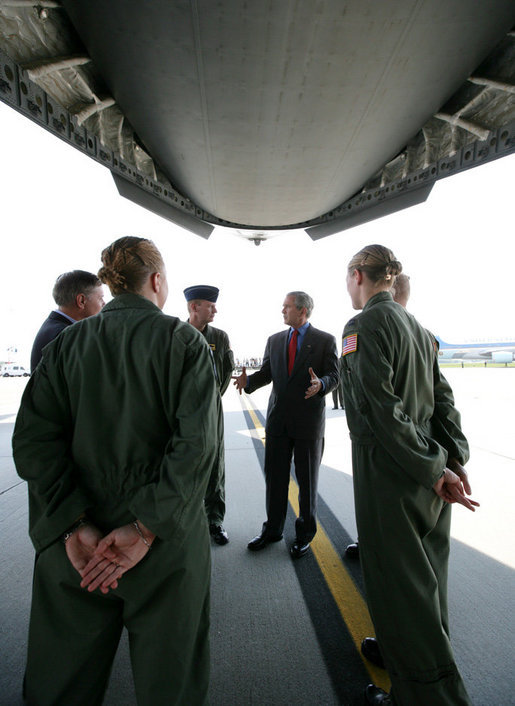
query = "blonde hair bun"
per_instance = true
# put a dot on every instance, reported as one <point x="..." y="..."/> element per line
<point x="128" y="262"/>
<point x="378" y="262"/>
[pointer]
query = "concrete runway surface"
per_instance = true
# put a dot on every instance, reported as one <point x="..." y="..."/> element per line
<point x="278" y="636"/>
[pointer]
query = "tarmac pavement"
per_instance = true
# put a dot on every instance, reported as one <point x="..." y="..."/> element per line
<point x="270" y="646"/>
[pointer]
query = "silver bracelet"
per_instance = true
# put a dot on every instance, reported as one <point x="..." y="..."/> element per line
<point x="138" y="530"/>
<point x="66" y="536"/>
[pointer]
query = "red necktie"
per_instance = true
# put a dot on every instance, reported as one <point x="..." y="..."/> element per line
<point x="292" y="350"/>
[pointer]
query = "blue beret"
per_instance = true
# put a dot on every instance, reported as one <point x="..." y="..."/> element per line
<point x="201" y="291"/>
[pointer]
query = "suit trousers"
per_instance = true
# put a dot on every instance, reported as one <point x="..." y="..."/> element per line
<point x="164" y="604"/>
<point x="307" y="455"/>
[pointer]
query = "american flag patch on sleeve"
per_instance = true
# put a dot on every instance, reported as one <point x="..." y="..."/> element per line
<point x="350" y="344"/>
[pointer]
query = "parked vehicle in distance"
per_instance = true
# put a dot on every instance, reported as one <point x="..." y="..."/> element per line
<point x="12" y="370"/>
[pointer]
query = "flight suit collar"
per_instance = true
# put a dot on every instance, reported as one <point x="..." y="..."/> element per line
<point x="379" y="297"/>
<point x="129" y="301"/>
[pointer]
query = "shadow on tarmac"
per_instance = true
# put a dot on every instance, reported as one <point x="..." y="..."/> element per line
<point x="268" y="646"/>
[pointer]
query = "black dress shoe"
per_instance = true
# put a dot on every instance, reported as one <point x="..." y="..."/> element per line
<point x="352" y="551"/>
<point x="370" y="650"/>
<point x="261" y="541"/>
<point x="377" y="697"/>
<point x="219" y="534"/>
<point x="299" y="549"/>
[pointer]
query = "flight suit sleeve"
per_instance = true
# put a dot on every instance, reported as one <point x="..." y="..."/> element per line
<point x="370" y="376"/>
<point x="169" y="505"/>
<point x="41" y="450"/>
<point x="227" y="365"/>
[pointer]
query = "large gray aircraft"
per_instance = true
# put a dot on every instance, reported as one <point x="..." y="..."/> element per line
<point x="268" y="115"/>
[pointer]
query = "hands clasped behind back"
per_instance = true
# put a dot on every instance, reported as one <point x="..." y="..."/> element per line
<point x="102" y="561"/>
<point x="453" y="486"/>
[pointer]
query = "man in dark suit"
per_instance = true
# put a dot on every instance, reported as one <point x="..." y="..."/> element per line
<point x="302" y="364"/>
<point x="78" y="294"/>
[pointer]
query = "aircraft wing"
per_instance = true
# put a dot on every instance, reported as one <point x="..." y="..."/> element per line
<point x="268" y="115"/>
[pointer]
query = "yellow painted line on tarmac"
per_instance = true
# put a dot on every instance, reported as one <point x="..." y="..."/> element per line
<point x="255" y="420"/>
<point x="348" y="599"/>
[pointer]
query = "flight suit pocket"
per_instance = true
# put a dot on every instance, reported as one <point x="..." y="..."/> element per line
<point x="359" y="400"/>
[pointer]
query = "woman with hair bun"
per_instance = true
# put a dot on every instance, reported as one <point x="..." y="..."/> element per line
<point x="116" y="436"/>
<point x="407" y="456"/>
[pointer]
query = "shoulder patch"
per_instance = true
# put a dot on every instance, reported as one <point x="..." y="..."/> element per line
<point x="350" y="344"/>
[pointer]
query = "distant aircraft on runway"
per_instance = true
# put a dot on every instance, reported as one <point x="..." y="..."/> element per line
<point x="496" y="351"/>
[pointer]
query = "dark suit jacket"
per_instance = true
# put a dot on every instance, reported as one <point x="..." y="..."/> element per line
<point x="289" y="414"/>
<point x="51" y="328"/>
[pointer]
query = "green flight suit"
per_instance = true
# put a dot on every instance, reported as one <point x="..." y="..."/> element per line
<point x="119" y="421"/>
<point x="403" y="425"/>
<point x="224" y="361"/>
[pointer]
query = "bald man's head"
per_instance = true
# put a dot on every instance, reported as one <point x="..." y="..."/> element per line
<point x="401" y="289"/>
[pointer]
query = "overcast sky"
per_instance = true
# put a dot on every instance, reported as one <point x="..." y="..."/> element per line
<point x="60" y="208"/>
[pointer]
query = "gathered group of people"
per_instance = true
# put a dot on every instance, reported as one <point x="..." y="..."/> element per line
<point x="120" y="439"/>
